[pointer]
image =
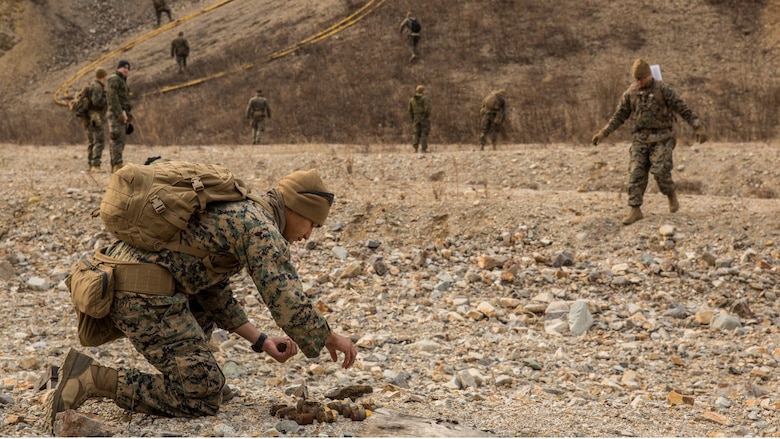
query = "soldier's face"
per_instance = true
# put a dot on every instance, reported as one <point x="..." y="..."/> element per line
<point x="296" y="227"/>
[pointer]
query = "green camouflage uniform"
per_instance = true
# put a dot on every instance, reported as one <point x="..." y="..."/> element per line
<point x="180" y="48"/>
<point x="159" y="7"/>
<point x="652" y="108"/>
<point x="256" y="111"/>
<point x="95" y="123"/>
<point x="118" y="101"/>
<point x="413" y="38"/>
<point x="173" y="332"/>
<point x="420" y="113"/>
<point x="492" y="111"/>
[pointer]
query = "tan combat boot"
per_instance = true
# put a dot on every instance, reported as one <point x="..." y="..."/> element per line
<point x="94" y="169"/>
<point x="633" y="216"/>
<point x="81" y="378"/>
<point x="674" y="205"/>
<point x="115" y="168"/>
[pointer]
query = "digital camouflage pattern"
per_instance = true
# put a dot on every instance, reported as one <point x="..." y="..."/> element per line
<point x="118" y="103"/>
<point x="652" y="109"/>
<point x="95" y="123"/>
<point x="256" y="111"/>
<point x="173" y="332"/>
<point x="420" y="113"/>
<point x="492" y="115"/>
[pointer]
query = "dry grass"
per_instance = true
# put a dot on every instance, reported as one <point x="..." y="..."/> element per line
<point x="354" y="89"/>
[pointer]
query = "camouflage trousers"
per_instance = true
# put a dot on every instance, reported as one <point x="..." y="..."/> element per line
<point x="488" y="128"/>
<point x="258" y="128"/>
<point x="117" y="132"/>
<point x="413" y="40"/>
<point x="169" y="336"/>
<point x="421" y="127"/>
<point x="96" y="139"/>
<point x="181" y="61"/>
<point x="159" y="13"/>
<point x="646" y="158"/>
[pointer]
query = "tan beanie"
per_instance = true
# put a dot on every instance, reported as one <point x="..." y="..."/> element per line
<point x="420" y="89"/>
<point x="305" y="194"/>
<point x="640" y="69"/>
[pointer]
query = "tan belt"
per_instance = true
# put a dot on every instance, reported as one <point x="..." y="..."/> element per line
<point x="144" y="279"/>
<point x="139" y="277"/>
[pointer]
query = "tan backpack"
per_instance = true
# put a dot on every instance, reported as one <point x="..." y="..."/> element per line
<point x="149" y="205"/>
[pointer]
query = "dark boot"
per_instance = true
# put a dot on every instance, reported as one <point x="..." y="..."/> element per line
<point x="81" y="378"/>
<point x="633" y="216"/>
<point x="674" y="205"/>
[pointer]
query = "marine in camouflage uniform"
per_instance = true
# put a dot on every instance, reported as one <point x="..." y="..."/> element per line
<point x="256" y="112"/>
<point x="652" y="105"/>
<point x="492" y="115"/>
<point x="420" y="113"/>
<point x="118" y="101"/>
<point x="180" y="48"/>
<point x="172" y="332"/>
<point x="412" y="37"/>
<point x="95" y="120"/>
<point x="161" y="6"/>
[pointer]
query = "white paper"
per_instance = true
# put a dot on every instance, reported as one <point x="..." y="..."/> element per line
<point x="655" y="69"/>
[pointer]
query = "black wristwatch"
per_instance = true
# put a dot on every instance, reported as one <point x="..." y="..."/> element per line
<point x="257" y="346"/>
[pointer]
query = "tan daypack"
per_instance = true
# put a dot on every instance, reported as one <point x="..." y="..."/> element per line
<point x="149" y="205"/>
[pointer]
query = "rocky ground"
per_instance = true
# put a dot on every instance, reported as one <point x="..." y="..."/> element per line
<point x="496" y="290"/>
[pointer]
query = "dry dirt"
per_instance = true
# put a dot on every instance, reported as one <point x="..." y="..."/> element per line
<point x="473" y="244"/>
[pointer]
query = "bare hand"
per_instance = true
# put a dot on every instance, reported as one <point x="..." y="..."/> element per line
<point x="280" y="349"/>
<point x="337" y="343"/>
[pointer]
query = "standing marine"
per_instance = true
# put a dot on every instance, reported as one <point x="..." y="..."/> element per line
<point x="95" y="120"/>
<point x="492" y="115"/>
<point x="180" y="48"/>
<point x="651" y="105"/>
<point x="420" y="113"/>
<point x="256" y="112"/>
<point x="118" y="101"/>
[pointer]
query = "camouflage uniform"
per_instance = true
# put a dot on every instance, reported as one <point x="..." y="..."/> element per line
<point x="180" y="48"/>
<point x="492" y="114"/>
<point x="256" y="111"/>
<point x="173" y="332"/>
<point x="118" y="101"/>
<point x="420" y="113"/>
<point x="412" y="37"/>
<point x="159" y="7"/>
<point x="95" y="123"/>
<point x="652" y="108"/>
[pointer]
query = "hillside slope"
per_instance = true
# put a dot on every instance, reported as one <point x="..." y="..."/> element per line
<point x="563" y="64"/>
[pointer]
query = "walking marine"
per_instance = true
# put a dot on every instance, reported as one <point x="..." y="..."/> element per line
<point x="492" y="115"/>
<point x="652" y="106"/>
<point x="412" y="26"/>
<point x="180" y="49"/>
<point x="256" y="112"/>
<point x="118" y="100"/>
<point x="420" y="113"/>
<point x="161" y="6"/>
<point x="171" y="326"/>
<point x="95" y="120"/>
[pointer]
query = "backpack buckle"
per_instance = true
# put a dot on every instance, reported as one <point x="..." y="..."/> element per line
<point x="157" y="204"/>
<point x="197" y="184"/>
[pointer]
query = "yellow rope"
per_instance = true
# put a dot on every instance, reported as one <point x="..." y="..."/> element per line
<point x="348" y="21"/>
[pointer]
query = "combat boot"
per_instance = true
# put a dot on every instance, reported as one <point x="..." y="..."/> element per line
<point x="94" y="169"/>
<point x="674" y="205"/>
<point x="115" y="168"/>
<point x="81" y="378"/>
<point x="633" y="216"/>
